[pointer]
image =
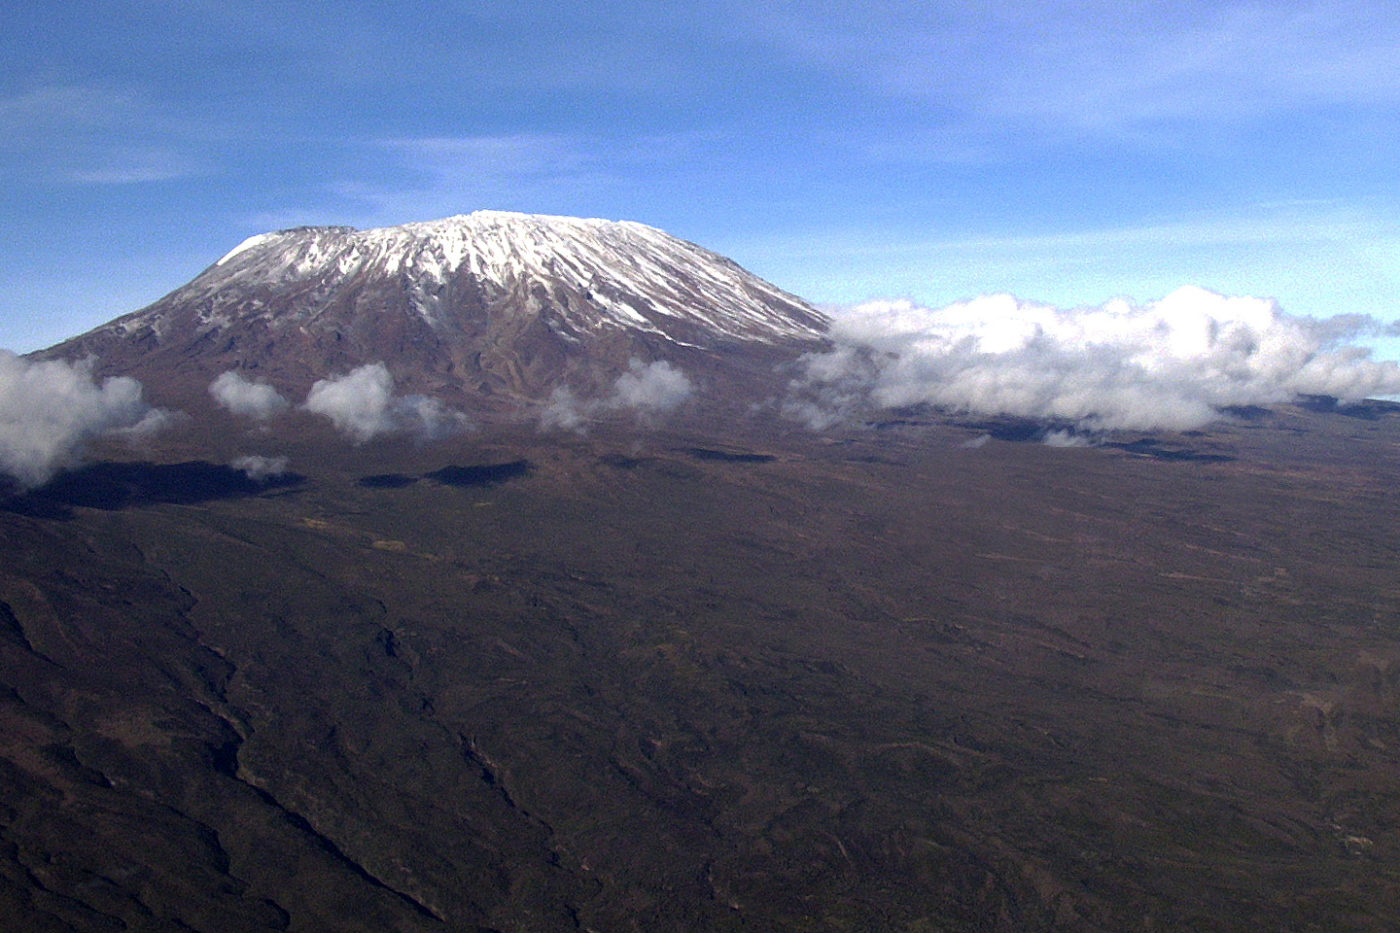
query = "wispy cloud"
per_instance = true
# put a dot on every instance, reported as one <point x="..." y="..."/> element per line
<point x="1150" y="63"/>
<point x="430" y="177"/>
<point x="1100" y="118"/>
<point x="1109" y="67"/>
<point x="98" y="134"/>
<point x="418" y="178"/>
<point x="513" y="156"/>
<point x="126" y="165"/>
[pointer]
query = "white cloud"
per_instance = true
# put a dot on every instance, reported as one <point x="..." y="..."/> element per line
<point x="245" y="397"/>
<point x="645" y="389"/>
<point x="1171" y="364"/>
<point x="357" y="403"/>
<point x="427" y="418"/>
<point x="362" y="405"/>
<point x="259" y="468"/>
<point x="834" y="387"/>
<point x="652" y="387"/>
<point x="565" y="411"/>
<point x="50" y="411"/>
<point x="1062" y="438"/>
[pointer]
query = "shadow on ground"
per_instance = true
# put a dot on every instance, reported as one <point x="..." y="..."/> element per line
<point x="387" y="481"/>
<point x="1148" y="447"/>
<point x="113" y="486"/>
<point x="724" y="456"/>
<point x="1369" y="409"/>
<point x="481" y="474"/>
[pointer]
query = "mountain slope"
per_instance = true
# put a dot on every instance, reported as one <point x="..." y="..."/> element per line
<point x="490" y="302"/>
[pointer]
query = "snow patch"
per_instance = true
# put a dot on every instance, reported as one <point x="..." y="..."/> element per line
<point x="250" y="243"/>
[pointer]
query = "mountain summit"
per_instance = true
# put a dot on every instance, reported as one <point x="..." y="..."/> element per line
<point x="490" y="303"/>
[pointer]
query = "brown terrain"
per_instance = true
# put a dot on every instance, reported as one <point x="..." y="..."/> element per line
<point x="758" y="681"/>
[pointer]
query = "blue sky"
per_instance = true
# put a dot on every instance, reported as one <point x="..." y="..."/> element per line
<point x="1067" y="152"/>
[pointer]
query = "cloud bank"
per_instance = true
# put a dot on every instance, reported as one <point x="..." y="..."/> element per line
<point x="645" y="389"/>
<point x="50" y="411"/>
<point x="247" y="398"/>
<point x="1172" y="364"/>
<point x="362" y="405"/>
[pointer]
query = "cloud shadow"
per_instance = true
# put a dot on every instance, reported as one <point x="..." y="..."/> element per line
<point x="114" y="486"/>
<point x="387" y="481"/>
<point x="724" y="456"/>
<point x="481" y="474"/>
<point x="1148" y="447"/>
<point x="1366" y="410"/>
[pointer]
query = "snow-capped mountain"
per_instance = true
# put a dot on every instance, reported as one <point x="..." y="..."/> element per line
<point x="627" y="274"/>
<point x="491" y="301"/>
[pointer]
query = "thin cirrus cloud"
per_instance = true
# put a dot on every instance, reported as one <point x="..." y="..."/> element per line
<point x="942" y="122"/>
<point x="556" y="173"/>
<point x="1231" y="62"/>
<point x="411" y="179"/>
<point x="1173" y="364"/>
<point x="126" y="165"/>
<point x="99" y="134"/>
<point x="496" y="156"/>
<point x="1102" y="66"/>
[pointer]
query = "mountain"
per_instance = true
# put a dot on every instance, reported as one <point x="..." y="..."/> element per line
<point x="485" y="304"/>
<point x="912" y="670"/>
